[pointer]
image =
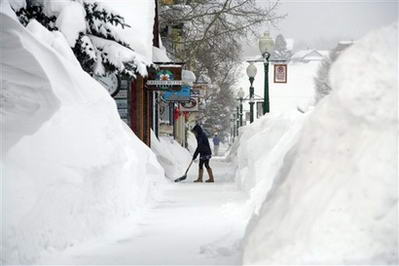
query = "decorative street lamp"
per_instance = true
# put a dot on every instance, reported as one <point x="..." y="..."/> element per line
<point x="251" y="72"/>
<point x="241" y="95"/>
<point x="234" y="125"/>
<point x="238" y="120"/>
<point x="265" y="46"/>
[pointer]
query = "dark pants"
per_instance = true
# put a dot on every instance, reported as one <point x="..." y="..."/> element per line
<point x="202" y="162"/>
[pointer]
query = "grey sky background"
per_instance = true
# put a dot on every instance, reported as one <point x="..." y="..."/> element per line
<point x="320" y="24"/>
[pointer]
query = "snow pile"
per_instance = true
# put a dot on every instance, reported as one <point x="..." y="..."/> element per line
<point x="261" y="150"/>
<point x="171" y="155"/>
<point x="70" y="167"/>
<point x="336" y="199"/>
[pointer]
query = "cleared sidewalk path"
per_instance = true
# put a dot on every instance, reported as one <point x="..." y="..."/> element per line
<point x="193" y="224"/>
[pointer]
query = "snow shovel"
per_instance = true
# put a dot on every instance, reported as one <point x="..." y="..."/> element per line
<point x="185" y="174"/>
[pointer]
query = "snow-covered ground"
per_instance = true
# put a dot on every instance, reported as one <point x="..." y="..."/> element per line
<point x="191" y="224"/>
<point x="78" y="187"/>
<point x="70" y="168"/>
<point x="335" y="199"/>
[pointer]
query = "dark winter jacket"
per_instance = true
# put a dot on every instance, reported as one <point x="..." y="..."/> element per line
<point x="203" y="148"/>
<point x="216" y="140"/>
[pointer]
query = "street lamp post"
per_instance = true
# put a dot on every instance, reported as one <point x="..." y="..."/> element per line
<point x="251" y="72"/>
<point x="234" y="125"/>
<point x="238" y="120"/>
<point x="241" y="95"/>
<point x="265" y="46"/>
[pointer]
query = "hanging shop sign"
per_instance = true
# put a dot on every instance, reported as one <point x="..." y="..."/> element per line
<point x="280" y="73"/>
<point x="199" y="90"/>
<point x="184" y="95"/>
<point x="190" y="106"/>
<point x="166" y="78"/>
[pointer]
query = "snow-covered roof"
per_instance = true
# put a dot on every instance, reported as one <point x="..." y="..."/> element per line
<point x="346" y="42"/>
<point x="310" y="54"/>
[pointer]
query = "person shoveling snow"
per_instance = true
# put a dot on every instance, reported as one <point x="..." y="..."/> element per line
<point x="204" y="151"/>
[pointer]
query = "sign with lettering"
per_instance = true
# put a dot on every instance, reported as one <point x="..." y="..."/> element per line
<point x="280" y="73"/>
<point x="199" y="90"/>
<point x="166" y="78"/>
<point x="183" y="95"/>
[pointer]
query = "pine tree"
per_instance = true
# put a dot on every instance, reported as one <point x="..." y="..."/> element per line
<point x="219" y="106"/>
<point x="280" y="51"/>
<point x="96" y="45"/>
<point x="35" y="11"/>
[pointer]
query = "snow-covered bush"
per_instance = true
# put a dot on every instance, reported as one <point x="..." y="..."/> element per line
<point x="70" y="168"/>
<point x="335" y="200"/>
<point x="93" y="30"/>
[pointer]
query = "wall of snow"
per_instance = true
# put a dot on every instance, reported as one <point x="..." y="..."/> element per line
<point x="259" y="152"/>
<point x="171" y="155"/>
<point x="336" y="199"/>
<point x="70" y="168"/>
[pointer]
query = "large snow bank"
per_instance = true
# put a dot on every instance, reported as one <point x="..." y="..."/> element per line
<point x="70" y="167"/>
<point x="259" y="152"/>
<point x="171" y="155"/>
<point x="336" y="199"/>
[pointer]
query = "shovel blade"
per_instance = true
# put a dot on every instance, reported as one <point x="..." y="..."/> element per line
<point x="181" y="178"/>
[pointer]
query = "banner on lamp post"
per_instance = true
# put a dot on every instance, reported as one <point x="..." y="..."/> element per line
<point x="280" y="73"/>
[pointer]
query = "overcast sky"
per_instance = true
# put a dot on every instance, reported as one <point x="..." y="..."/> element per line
<point x="319" y="24"/>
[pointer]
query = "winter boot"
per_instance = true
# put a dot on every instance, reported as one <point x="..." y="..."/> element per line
<point x="210" y="180"/>
<point x="200" y="174"/>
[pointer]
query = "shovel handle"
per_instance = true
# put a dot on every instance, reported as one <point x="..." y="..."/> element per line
<point x="189" y="167"/>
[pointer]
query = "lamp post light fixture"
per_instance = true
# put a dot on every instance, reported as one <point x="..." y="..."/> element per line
<point x="251" y="72"/>
<point x="265" y="45"/>
<point x="241" y="95"/>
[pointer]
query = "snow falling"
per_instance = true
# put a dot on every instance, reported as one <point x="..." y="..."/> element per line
<point x="313" y="182"/>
